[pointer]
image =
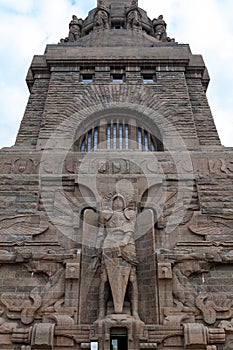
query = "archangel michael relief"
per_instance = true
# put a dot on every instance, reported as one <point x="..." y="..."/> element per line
<point x="115" y="243"/>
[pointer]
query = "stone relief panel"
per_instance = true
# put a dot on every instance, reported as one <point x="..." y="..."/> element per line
<point x="134" y="19"/>
<point x="24" y="166"/>
<point x="212" y="227"/>
<point x="101" y="19"/>
<point x="19" y="165"/>
<point x="201" y="285"/>
<point x="116" y="243"/>
<point x="21" y="228"/>
<point x="190" y="286"/>
<point x="37" y="295"/>
<point x="220" y="164"/>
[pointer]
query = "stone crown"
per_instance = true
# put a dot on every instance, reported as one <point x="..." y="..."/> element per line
<point x="121" y="15"/>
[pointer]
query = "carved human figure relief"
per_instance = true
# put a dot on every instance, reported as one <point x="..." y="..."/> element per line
<point x="101" y="20"/>
<point x="134" y="20"/>
<point x="160" y="26"/>
<point x="102" y="4"/>
<point x="75" y="27"/>
<point x="118" y="255"/>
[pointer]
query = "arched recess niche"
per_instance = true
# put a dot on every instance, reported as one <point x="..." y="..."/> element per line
<point x="117" y="129"/>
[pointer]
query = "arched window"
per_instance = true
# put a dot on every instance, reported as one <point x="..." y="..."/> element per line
<point x="118" y="134"/>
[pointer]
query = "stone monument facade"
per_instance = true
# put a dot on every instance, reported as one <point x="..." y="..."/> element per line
<point x="116" y="210"/>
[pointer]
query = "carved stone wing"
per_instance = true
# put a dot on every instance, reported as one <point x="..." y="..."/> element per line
<point x="23" y="225"/>
<point x="203" y="231"/>
<point x="211" y="225"/>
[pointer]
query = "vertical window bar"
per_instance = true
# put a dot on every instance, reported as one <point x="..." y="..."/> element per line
<point x="140" y="139"/>
<point x="96" y="136"/>
<point x="126" y="136"/>
<point x="117" y="134"/>
<point x="114" y="136"/>
<point x="89" y="141"/>
<point x="149" y="142"/>
<point x="123" y="135"/>
<point x="92" y="140"/>
<point x="143" y="139"/>
<point x="120" y="136"/>
<point x="83" y="146"/>
<point x="146" y="141"/>
<point x="109" y="136"/>
<point x="153" y="148"/>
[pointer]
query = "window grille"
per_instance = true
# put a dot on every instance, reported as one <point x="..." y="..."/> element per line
<point x="118" y="135"/>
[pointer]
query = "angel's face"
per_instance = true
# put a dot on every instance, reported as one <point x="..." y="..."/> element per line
<point x="118" y="204"/>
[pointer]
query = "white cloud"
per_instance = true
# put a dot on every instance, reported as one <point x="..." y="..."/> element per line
<point x="26" y="26"/>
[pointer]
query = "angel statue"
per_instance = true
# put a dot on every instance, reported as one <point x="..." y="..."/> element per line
<point x="118" y="255"/>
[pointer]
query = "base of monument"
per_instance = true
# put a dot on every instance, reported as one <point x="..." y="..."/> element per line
<point x="119" y="325"/>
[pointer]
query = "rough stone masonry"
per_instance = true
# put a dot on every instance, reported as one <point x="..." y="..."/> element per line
<point x="116" y="201"/>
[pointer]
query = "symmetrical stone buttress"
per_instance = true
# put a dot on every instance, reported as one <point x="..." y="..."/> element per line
<point x="116" y="201"/>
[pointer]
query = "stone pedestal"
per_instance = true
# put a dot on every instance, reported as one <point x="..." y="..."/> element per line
<point x="132" y="327"/>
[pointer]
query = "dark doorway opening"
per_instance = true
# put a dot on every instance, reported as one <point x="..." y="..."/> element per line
<point x="119" y="342"/>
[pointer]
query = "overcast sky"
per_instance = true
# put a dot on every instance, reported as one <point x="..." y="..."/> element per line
<point x="26" y="26"/>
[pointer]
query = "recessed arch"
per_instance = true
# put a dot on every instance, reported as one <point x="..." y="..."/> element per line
<point x="118" y="129"/>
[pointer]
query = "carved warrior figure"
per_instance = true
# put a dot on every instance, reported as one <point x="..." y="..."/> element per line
<point x="75" y="27"/>
<point x="134" y="19"/>
<point x="118" y="261"/>
<point x="160" y="26"/>
<point x="101" y="19"/>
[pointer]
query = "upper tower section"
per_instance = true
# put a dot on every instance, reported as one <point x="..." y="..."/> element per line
<point x="118" y="76"/>
<point x="126" y="17"/>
